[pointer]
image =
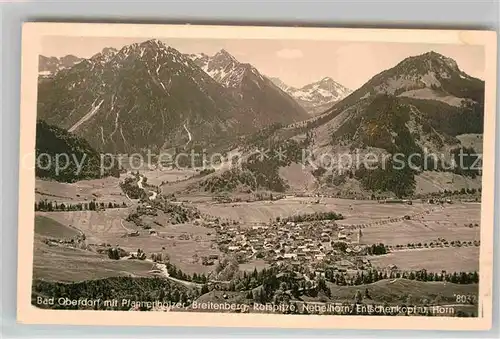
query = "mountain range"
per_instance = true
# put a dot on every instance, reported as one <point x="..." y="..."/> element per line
<point x="151" y="96"/>
<point x="315" y="97"/>
<point x="251" y="87"/>
<point x="439" y="99"/>
<point x="424" y="104"/>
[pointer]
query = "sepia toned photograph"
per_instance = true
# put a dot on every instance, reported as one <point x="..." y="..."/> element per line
<point x="256" y="175"/>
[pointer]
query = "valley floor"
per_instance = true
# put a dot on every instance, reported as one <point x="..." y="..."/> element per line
<point x="186" y="243"/>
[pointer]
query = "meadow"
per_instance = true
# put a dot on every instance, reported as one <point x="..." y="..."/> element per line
<point x="451" y="223"/>
<point x="354" y="211"/>
<point x="103" y="190"/>
<point x="185" y="244"/>
<point x="450" y="259"/>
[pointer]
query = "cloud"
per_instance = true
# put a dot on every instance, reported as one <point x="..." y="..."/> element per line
<point x="288" y="53"/>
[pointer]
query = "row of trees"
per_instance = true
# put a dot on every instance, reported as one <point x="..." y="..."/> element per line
<point x="54" y="206"/>
<point x="453" y="243"/>
<point x="377" y="249"/>
<point x="119" y="288"/>
<point x="312" y="217"/>
<point x="462" y="191"/>
<point x="177" y="273"/>
<point x="342" y="279"/>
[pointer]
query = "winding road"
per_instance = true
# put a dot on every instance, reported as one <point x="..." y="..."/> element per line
<point x="139" y="183"/>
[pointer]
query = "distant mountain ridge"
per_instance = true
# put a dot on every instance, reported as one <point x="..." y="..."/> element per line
<point x="248" y="84"/>
<point x="49" y="66"/>
<point x="315" y="97"/>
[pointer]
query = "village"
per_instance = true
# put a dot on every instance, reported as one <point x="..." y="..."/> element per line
<point x="308" y="245"/>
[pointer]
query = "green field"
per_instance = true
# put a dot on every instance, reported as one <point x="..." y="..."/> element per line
<point x="397" y="291"/>
<point x="103" y="190"/>
<point x="354" y="211"/>
<point x="186" y="244"/>
<point x="450" y="223"/>
<point x="451" y="259"/>
<point x="50" y="228"/>
<point x="57" y="263"/>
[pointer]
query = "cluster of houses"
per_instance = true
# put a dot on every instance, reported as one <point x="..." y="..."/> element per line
<point x="310" y="242"/>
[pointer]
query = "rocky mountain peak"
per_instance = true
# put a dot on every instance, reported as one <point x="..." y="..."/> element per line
<point x="224" y="55"/>
<point x="327" y="80"/>
<point x="430" y="70"/>
<point x="430" y="63"/>
<point x="154" y="44"/>
<point x="441" y="59"/>
<point x="109" y="50"/>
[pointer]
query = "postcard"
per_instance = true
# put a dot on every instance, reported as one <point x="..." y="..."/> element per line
<point x="293" y="177"/>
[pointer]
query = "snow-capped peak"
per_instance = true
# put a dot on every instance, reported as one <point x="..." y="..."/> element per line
<point x="109" y="50"/>
<point x="322" y="91"/>
<point x="153" y="43"/>
<point x="317" y="95"/>
<point x="224" y="55"/>
<point x="222" y="67"/>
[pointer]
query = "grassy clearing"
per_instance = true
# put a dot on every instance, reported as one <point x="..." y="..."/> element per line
<point x="70" y="264"/>
<point x="433" y="181"/>
<point x="50" y="228"/>
<point x="184" y="243"/>
<point x="354" y="211"/>
<point x="472" y="140"/>
<point x="105" y="190"/>
<point x="451" y="259"/>
<point x="254" y="264"/>
<point x="263" y="211"/>
<point x="103" y="226"/>
<point x="449" y="223"/>
<point x="397" y="291"/>
<point x="157" y="177"/>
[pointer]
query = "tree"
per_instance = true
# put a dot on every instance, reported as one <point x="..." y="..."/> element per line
<point x="175" y="296"/>
<point x="409" y="300"/>
<point x="358" y="297"/>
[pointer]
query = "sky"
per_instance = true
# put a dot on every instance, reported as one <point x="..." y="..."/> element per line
<point x="295" y="62"/>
